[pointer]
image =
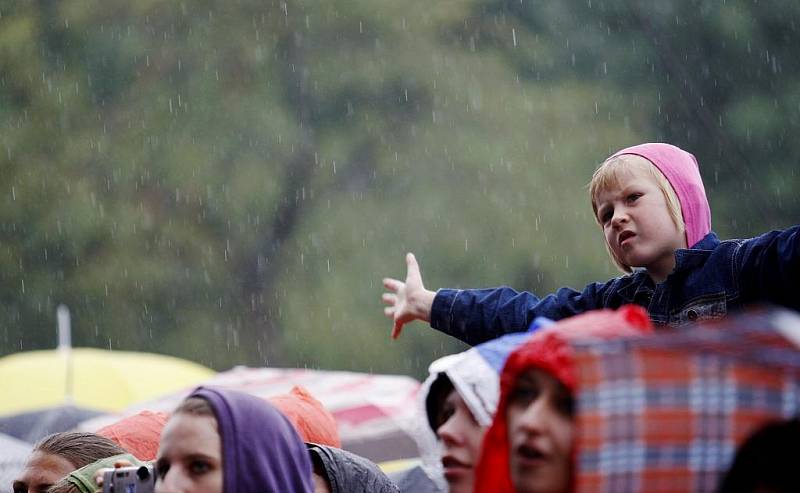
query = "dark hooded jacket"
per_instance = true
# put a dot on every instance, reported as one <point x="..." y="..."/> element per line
<point x="261" y="450"/>
<point x="350" y="473"/>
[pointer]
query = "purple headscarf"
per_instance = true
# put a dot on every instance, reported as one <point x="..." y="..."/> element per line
<point x="261" y="451"/>
<point x="681" y="170"/>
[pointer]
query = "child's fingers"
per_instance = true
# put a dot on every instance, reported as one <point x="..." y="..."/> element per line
<point x="389" y="298"/>
<point x="392" y="284"/>
<point x="389" y="311"/>
<point x="412" y="269"/>
<point x="398" y="327"/>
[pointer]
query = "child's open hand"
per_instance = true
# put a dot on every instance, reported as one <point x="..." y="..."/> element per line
<point x="408" y="301"/>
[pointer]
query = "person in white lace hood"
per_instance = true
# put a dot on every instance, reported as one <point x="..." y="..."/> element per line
<point x="456" y="405"/>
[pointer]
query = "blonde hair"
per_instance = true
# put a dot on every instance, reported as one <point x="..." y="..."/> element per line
<point x="607" y="177"/>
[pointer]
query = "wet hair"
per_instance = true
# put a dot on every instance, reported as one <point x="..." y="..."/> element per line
<point x="766" y="461"/>
<point x="79" y="448"/>
<point x="63" y="486"/>
<point x="439" y="390"/>
<point x="607" y="176"/>
<point x="195" y="406"/>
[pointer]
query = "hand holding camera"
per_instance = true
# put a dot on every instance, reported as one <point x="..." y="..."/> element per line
<point x="129" y="479"/>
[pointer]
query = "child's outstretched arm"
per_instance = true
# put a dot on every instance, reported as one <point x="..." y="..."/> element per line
<point x="478" y="315"/>
<point x="769" y="267"/>
<point x="474" y="316"/>
<point x="409" y="300"/>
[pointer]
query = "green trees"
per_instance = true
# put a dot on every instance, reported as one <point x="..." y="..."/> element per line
<point x="718" y="79"/>
<point x="228" y="181"/>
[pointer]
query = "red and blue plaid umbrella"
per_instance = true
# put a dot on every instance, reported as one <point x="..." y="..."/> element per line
<point x="666" y="413"/>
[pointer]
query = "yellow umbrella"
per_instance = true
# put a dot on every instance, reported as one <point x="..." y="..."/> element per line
<point x="91" y="378"/>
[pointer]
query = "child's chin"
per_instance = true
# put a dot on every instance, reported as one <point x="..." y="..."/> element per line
<point x="636" y="261"/>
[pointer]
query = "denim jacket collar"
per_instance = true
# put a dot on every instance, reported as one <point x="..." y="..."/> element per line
<point x="691" y="258"/>
<point x="686" y="259"/>
<point x="633" y="283"/>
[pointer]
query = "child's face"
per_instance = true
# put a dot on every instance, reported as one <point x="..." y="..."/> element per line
<point x="637" y="224"/>
<point x="461" y="440"/>
<point x="540" y="434"/>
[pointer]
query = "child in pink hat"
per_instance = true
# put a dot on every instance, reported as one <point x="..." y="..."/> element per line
<point x="651" y="205"/>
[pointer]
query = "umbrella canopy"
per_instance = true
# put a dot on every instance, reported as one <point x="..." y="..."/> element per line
<point x="374" y="413"/>
<point x="13" y="454"/>
<point x="667" y="412"/>
<point x="90" y="378"/>
<point x="34" y="425"/>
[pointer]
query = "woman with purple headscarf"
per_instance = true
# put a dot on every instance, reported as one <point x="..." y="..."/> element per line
<point x="220" y="440"/>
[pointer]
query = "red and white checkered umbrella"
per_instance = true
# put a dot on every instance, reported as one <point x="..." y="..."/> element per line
<point x="374" y="413"/>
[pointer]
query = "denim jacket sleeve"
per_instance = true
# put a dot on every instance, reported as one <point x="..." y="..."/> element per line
<point x="769" y="267"/>
<point x="478" y="315"/>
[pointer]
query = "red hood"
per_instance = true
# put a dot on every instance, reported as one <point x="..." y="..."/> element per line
<point x="549" y="350"/>
<point x="313" y="422"/>
<point x="138" y="434"/>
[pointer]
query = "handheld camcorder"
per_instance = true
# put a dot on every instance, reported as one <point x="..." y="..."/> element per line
<point x="140" y="479"/>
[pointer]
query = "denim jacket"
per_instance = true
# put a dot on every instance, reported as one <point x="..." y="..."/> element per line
<point x="710" y="279"/>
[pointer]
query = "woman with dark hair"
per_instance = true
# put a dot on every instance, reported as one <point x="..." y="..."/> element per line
<point x="220" y="440"/>
<point x="456" y="405"/>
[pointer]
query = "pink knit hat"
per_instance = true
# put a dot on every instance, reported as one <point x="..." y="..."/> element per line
<point x="681" y="170"/>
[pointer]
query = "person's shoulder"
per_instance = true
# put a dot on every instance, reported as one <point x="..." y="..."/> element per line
<point x="758" y="242"/>
<point x="351" y="472"/>
<point x="617" y="290"/>
<point x="414" y="480"/>
<point x="630" y="279"/>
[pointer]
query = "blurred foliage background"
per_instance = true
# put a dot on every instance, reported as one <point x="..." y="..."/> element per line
<point x="228" y="181"/>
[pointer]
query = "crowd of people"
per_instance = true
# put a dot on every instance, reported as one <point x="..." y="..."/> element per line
<point x="511" y="414"/>
<point x="214" y="441"/>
